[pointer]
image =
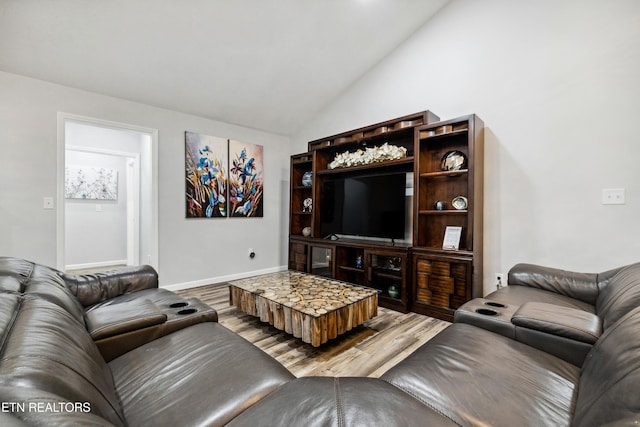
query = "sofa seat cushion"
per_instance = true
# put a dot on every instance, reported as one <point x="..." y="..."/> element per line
<point x="564" y="322"/>
<point x="31" y="407"/>
<point x="210" y="377"/>
<point x="44" y="349"/>
<point x="518" y="295"/>
<point x="326" y="401"/>
<point x="477" y="377"/>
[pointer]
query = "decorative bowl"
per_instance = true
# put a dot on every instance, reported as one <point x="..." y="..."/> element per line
<point x="459" y="202"/>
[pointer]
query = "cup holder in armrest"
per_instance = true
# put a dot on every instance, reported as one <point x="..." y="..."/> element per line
<point x="495" y="304"/>
<point x="487" y="312"/>
<point x="187" y="311"/>
<point x="179" y="304"/>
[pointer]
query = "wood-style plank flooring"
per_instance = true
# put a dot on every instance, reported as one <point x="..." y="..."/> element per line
<point x="95" y="270"/>
<point x="368" y="350"/>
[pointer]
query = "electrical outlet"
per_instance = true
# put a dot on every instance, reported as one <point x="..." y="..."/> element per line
<point x="47" y="203"/>
<point x="613" y="196"/>
<point x="500" y="281"/>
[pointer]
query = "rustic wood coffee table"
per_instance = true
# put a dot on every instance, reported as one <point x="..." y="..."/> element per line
<point x="313" y="308"/>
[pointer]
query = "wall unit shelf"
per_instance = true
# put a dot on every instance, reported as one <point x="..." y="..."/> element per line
<point x="299" y="218"/>
<point x="351" y="269"/>
<point x="401" y="164"/>
<point x="445" y="174"/>
<point x="445" y="279"/>
<point x="444" y="212"/>
<point x="390" y="130"/>
<point x="382" y="265"/>
<point x="419" y="276"/>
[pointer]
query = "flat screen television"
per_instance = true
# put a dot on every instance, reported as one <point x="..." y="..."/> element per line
<point x="369" y="206"/>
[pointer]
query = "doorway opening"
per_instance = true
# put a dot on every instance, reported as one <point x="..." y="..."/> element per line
<point x="107" y="195"/>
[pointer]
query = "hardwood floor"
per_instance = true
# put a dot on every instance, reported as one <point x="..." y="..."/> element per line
<point x="95" y="269"/>
<point x="368" y="350"/>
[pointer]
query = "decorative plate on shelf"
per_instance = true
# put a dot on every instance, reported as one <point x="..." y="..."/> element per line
<point x="453" y="161"/>
<point x="459" y="202"/>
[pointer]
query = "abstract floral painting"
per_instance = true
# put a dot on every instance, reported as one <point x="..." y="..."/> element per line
<point x="206" y="160"/>
<point x="246" y="179"/>
<point x="83" y="182"/>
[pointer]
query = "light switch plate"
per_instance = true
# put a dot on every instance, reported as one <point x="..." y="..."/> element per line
<point x="47" y="203"/>
<point x="613" y="196"/>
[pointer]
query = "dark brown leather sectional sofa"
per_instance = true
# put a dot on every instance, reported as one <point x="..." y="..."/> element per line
<point x="114" y="349"/>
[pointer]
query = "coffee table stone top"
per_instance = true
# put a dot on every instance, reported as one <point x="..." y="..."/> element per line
<point x="312" y="295"/>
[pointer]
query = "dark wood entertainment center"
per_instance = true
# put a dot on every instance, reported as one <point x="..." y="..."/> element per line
<point x="418" y="274"/>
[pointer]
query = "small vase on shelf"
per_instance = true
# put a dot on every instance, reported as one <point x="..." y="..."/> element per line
<point x="307" y="179"/>
<point x="393" y="291"/>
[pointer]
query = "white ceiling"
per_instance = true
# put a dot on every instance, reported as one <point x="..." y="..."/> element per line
<point x="265" y="64"/>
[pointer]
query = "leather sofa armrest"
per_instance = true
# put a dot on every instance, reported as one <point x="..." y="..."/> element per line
<point x="564" y="322"/>
<point x="91" y="289"/>
<point x="581" y="286"/>
<point x="111" y="320"/>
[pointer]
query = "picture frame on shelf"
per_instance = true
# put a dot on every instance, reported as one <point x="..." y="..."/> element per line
<point x="452" y="238"/>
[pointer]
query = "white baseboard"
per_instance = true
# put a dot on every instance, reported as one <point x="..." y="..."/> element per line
<point x="220" y="279"/>
<point x="95" y="264"/>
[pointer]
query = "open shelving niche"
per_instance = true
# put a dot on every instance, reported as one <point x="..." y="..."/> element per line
<point x="443" y="280"/>
<point x="428" y="279"/>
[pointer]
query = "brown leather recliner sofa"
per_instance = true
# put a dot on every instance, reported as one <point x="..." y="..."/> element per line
<point x="180" y="369"/>
<point x="196" y="372"/>
<point x="561" y="312"/>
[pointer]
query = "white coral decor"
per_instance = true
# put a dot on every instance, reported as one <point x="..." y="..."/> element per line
<point x="368" y="156"/>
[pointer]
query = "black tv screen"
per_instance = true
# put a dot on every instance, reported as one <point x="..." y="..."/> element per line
<point x="370" y="206"/>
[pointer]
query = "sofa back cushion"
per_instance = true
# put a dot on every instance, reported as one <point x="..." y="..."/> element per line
<point x="620" y="295"/>
<point x="12" y="272"/>
<point x="45" y="348"/>
<point x="610" y="379"/>
<point x="25" y="277"/>
<point x="92" y="289"/>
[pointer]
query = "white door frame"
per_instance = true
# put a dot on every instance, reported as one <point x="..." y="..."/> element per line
<point x="133" y="210"/>
<point x="63" y="118"/>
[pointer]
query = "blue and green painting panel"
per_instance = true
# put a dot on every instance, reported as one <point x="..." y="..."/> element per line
<point x="206" y="160"/>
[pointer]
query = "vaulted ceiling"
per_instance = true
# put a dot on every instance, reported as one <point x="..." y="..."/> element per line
<point x="265" y="64"/>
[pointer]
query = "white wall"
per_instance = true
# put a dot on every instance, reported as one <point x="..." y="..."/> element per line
<point x="190" y="251"/>
<point x="96" y="230"/>
<point x="556" y="83"/>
